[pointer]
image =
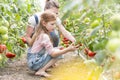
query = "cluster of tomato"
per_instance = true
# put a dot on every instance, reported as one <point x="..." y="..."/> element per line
<point x="3" y="49"/>
<point x="89" y="52"/>
<point x="22" y="42"/>
<point x="66" y="42"/>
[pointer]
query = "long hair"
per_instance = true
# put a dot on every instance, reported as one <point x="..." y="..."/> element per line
<point x="51" y="3"/>
<point x="47" y="16"/>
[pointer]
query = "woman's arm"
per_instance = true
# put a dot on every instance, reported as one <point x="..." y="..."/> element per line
<point x="30" y="40"/>
<point x="66" y="33"/>
<point x="29" y="31"/>
<point x="30" y="27"/>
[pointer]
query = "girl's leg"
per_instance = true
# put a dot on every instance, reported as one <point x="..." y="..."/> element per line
<point x="41" y="72"/>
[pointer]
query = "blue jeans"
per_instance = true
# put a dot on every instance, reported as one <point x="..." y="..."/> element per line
<point x="55" y="37"/>
<point x="36" y="61"/>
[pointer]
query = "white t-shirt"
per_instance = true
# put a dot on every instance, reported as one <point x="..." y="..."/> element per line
<point x="32" y="21"/>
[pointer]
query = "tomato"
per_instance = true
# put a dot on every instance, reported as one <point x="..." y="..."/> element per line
<point x="61" y="48"/>
<point x="78" y="44"/>
<point x="115" y="22"/>
<point x="5" y="37"/>
<point x="3" y="30"/>
<point x="5" y="23"/>
<point x="91" y="54"/>
<point x="24" y="40"/>
<point x="66" y="45"/>
<point x="65" y="39"/>
<point x="66" y="42"/>
<point x="10" y="55"/>
<point x="2" y="48"/>
<point x="113" y="44"/>
<point x="95" y="23"/>
<point x="86" y="20"/>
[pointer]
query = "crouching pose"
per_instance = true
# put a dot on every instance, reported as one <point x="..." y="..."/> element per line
<point x="42" y="54"/>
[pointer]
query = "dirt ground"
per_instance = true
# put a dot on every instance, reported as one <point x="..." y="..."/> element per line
<point x="18" y="70"/>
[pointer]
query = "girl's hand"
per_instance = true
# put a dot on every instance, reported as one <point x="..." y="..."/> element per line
<point x="73" y="47"/>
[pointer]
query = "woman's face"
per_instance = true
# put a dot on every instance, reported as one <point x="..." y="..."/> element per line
<point x="50" y="25"/>
<point x="54" y="10"/>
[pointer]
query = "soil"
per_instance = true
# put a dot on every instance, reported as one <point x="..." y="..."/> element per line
<point x="18" y="70"/>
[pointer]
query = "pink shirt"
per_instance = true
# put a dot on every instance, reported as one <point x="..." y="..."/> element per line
<point x="43" y="40"/>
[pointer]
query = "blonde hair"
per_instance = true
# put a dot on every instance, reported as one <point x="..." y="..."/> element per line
<point x="51" y="3"/>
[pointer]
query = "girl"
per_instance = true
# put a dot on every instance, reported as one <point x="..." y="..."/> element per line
<point x="42" y="53"/>
<point x="34" y="20"/>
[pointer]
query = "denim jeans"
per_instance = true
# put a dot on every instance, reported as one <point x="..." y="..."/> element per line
<point x="55" y="38"/>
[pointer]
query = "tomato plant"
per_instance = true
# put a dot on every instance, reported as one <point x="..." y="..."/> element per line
<point x="95" y="27"/>
<point x="13" y="24"/>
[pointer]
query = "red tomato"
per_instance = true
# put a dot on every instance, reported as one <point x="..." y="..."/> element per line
<point x="10" y="55"/>
<point x="66" y="45"/>
<point x="81" y="44"/>
<point x="66" y="42"/>
<point x="66" y="39"/>
<point x="2" y="48"/>
<point x="23" y="39"/>
<point x="61" y="48"/>
<point x="91" y="54"/>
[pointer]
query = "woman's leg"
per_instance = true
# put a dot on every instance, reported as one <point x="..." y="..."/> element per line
<point x="41" y="71"/>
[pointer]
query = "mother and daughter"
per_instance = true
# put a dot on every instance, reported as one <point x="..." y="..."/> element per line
<point x="42" y="53"/>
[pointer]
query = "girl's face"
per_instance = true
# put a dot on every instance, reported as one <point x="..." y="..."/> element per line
<point x="50" y="25"/>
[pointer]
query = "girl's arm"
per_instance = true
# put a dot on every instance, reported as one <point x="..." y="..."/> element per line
<point x="58" y="52"/>
<point x="54" y="52"/>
